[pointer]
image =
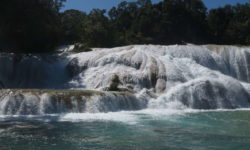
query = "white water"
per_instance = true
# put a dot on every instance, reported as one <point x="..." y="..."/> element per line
<point x="167" y="77"/>
<point x="202" y="77"/>
<point x="41" y="103"/>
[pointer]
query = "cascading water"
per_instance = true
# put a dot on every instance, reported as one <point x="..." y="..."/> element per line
<point x="32" y="71"/>
<point x="160" y="77"/>
<point x="41" y="102"/>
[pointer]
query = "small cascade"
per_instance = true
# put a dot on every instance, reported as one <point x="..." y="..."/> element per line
<point x="40" y="102"/>
<point x="205" y="94"/>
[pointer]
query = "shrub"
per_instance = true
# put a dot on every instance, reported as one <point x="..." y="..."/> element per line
<point x="114" y="83"/>
<point x="81" y="48"/>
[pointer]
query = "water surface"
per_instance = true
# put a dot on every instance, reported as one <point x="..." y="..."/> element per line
<point x="143" y="130"/>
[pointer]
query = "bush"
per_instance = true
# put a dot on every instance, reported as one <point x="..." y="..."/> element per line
<point x="81" y="48"/>
<point x="29" y="26"/>
<point x="114" y="83"/>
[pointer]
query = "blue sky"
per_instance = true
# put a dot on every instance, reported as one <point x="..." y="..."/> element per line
<point x="87" y="5"/>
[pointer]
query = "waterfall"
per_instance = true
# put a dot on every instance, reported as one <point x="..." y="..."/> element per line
<point x="32" y="71"/>
<point x="192" y="76"/>
<point x="152" y="76"/>
<point x="40" y="102"/>
<point x="205" y="93"/>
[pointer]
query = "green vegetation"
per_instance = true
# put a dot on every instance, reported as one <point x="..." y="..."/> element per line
<point x="114" y="83"/>
<point x="81" y="48"/>
<point x="29" y="25"/>
<point x="39" y="26"/>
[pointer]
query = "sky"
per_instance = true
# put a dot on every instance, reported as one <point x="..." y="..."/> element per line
<point x="88" y="5"/>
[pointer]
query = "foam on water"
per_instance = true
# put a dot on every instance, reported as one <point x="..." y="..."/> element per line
<point x="126" y="117"/>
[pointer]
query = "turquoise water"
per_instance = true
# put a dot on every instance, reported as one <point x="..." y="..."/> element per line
<point x="214" y="130"/>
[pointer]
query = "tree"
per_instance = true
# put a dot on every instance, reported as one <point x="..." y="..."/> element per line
<point x="230" y="24"/>
<point x="38" y="26"/>
<point x="218" y="21"/>
<point x="71" y="21"/>
<point x="96" y="30"/>
<point x="29" y="25"/>
<point x="238" y="30"/>
<point x="144" y="2"/>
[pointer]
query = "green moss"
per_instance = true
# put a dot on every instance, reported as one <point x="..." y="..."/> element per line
<point x="114" y="83"/>
<point x="113" y="86"/>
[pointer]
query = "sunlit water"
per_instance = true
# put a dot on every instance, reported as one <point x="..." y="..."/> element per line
<point x="141" y="130"/>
